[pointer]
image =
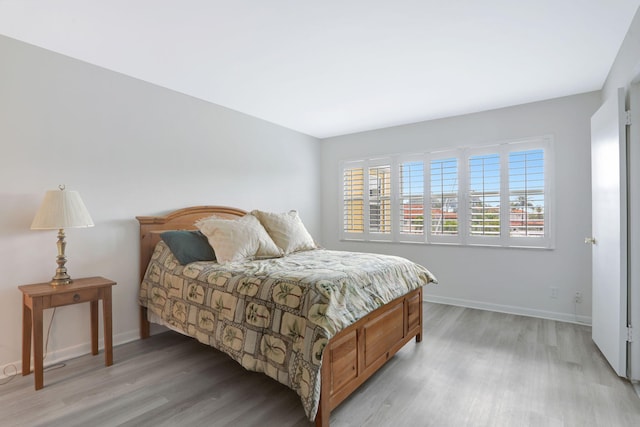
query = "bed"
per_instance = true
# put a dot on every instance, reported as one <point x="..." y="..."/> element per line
<point x="306" y="319"/>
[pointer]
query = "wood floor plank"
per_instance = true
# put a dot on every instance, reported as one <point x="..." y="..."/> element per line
<point x="473" y="368"/>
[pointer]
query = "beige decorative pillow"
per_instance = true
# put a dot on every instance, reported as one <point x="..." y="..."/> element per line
<point x="286" y="230"/>
<point x="238" y="239"/>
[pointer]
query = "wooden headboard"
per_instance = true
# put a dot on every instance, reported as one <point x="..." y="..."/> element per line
<point x="182" y="219"/>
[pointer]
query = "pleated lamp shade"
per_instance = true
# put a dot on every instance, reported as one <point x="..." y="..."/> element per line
<point x="61" y="209"/>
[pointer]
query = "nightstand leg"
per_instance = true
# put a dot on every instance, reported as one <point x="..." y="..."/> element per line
<point x="26" y="337"/>
<point x="108" y="329"/>
<point x="94" y="327"/>
<point x="36" y="310"/>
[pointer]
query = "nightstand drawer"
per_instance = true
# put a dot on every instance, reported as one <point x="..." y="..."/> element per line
<point x="81" y="295"/>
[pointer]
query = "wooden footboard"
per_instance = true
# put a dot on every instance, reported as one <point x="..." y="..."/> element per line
<point x="357" y="352"/>
<point x="351" y="356"/>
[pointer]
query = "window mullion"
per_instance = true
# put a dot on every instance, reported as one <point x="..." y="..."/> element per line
<point x="426" y="199"/>
<point x="505" y="207"/>
<point x="463" y="195"/>
<point x="395" y="198"/>
<point x="366" y="208"/>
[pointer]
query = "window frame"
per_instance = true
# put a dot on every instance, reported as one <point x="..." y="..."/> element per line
<point x="483" y="240"/>
<point x="548" y="238"/>
<point x="407" y="237"/>
<point x="377" y="163"/>
<point x="443" y="155"/>
<point x="462" y="155"/>
<point x="347" y="235"/>
<point x="367" y="234"/>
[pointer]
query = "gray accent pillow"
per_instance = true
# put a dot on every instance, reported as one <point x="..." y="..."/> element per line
<point x="188" y="246"/>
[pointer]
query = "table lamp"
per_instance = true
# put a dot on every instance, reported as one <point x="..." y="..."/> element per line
<point x="61" y="209"/>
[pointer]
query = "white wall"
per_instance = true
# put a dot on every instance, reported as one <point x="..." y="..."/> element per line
<point x="512" y="280"/>
<point x="626" y="66"/>
<point x="129" y="148"/>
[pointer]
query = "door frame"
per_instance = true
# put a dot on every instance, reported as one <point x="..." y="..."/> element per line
<point x="633" y="227"/>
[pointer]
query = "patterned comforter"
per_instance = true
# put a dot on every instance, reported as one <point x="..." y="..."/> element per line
<point x="276" y="316"/>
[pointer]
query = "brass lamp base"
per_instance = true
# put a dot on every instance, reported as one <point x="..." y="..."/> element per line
<point x="61" y="277"/>
<point x="56" y="281"/>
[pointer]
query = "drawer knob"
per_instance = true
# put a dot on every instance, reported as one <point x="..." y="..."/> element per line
<point x="76" y="297"/>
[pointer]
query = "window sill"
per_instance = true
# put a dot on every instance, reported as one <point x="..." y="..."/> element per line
<point x="461" y="245"/>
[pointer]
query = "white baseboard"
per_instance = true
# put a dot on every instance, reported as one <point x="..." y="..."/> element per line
<point x="63" y="354"/>
<point x="552" y="315"/>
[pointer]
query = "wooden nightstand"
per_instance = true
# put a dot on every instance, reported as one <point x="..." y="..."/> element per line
<point x="40" y="296"/>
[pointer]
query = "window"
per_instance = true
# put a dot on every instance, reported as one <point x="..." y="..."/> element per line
<point x="444" y="197"/>
<point x="367" y="200"/>
<point x="484" y="195"/>
<point x="379" y="178"/>
<point x="526" y="193"/>
<point x="498" y="195"/>
<point x="353" y="197"/>
<point x="411" y="189"/>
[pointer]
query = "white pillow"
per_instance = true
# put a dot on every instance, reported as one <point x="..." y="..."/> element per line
<point x="238" y="239"/>
<point x="286" y="230"/>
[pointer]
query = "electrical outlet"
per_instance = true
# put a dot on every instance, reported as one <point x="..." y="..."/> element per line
<point x="578" y="297"/>
<point x="553" y="293"/>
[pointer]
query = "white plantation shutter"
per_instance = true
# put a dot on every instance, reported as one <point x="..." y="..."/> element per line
<point x="526" y="193"/>
<point x="379" y="178"/>
<point x="411" y="206"/>
<point x="367" y="200"/>
<point x="444" y="197"/>
<point x="353" y="200"/>
<point x="484" y="195"/>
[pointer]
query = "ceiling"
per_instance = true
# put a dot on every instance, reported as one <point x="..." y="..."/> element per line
<point x="333" y="67"/>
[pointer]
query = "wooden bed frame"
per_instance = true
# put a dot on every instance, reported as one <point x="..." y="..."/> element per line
<point x="351" y="356"/>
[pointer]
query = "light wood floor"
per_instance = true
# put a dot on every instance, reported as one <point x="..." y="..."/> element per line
<point x="473" y="368"/>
